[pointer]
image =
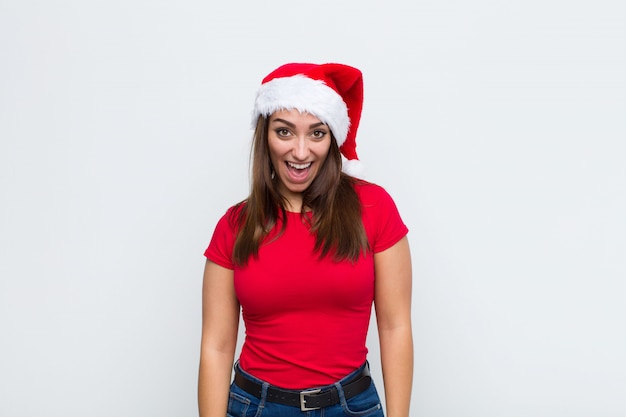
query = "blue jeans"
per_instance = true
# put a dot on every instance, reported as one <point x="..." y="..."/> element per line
<point x="365" y="404"/>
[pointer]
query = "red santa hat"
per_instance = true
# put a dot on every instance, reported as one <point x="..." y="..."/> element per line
<point x="331" y="92"/>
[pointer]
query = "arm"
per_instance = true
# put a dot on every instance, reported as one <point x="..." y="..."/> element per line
<point x="393" y="315"/>
<point x="220" y="321"/>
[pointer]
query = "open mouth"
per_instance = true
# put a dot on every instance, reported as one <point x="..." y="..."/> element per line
<point x="299" y="166"/>
<point x="298" y="172"/>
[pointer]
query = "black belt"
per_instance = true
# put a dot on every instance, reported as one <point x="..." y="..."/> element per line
<point x="306" y="400"/>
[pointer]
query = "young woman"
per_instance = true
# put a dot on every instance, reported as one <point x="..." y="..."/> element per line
<point x="304" y="257"/>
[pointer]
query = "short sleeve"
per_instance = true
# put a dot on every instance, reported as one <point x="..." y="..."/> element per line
<point x="220" y="248"/>
<point x="381" y="218"/>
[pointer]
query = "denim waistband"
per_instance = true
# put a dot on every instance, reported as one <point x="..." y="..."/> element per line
<point x="313" y="398"/>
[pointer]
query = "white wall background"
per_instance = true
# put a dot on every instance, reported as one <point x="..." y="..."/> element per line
<point x="497" y="126"/>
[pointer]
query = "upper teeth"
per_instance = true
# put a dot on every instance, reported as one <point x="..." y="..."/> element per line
<point x="299" y="166"/>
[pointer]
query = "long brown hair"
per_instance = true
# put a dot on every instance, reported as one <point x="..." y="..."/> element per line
<point x="336" y="207"/>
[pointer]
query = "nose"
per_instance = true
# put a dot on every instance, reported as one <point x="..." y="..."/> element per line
<point x="300" y="149"/>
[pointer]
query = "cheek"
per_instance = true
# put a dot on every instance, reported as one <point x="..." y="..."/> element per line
<point x="323" y="149"/>
<point x="277" y="147"/>
<point x="274" y="150"/>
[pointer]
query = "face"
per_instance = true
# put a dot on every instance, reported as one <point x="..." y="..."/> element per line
<point x="298" y="145"/>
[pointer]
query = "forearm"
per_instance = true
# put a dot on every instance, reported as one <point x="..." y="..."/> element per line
<point x="396" y="349"/>
<point x="214" y="382"/>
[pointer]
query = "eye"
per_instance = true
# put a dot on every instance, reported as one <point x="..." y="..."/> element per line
<point x="282" y="132"/>
<point x="319" y="134"/>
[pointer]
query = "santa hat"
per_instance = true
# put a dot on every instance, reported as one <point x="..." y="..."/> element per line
<point x="331" y="92"/>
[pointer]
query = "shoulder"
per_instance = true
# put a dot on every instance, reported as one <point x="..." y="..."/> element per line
<point x="237" y="209"/>
<point x="233" y="216"/>
<point x="370" y="193"/>
<point x="381" y="218"/>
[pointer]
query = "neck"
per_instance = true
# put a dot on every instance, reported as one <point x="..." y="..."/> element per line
<point x="293" y="206"/>
<point x="292" y="200"/>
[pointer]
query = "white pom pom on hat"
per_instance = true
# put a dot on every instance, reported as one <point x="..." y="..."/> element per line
<point x="331" y="92"/>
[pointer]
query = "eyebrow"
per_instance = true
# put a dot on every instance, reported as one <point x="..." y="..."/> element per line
<point x="291" y="125"/>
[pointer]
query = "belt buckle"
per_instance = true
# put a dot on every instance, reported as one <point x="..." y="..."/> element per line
<point x="303" y="406"/>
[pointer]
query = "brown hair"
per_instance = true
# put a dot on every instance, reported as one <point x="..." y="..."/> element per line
<point x="336" y="207"/>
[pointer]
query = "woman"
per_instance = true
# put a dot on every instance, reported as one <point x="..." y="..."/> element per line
<point x="304" y="257"/>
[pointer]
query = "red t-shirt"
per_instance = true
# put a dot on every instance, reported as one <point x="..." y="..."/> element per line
<point x="306" y="318"/>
